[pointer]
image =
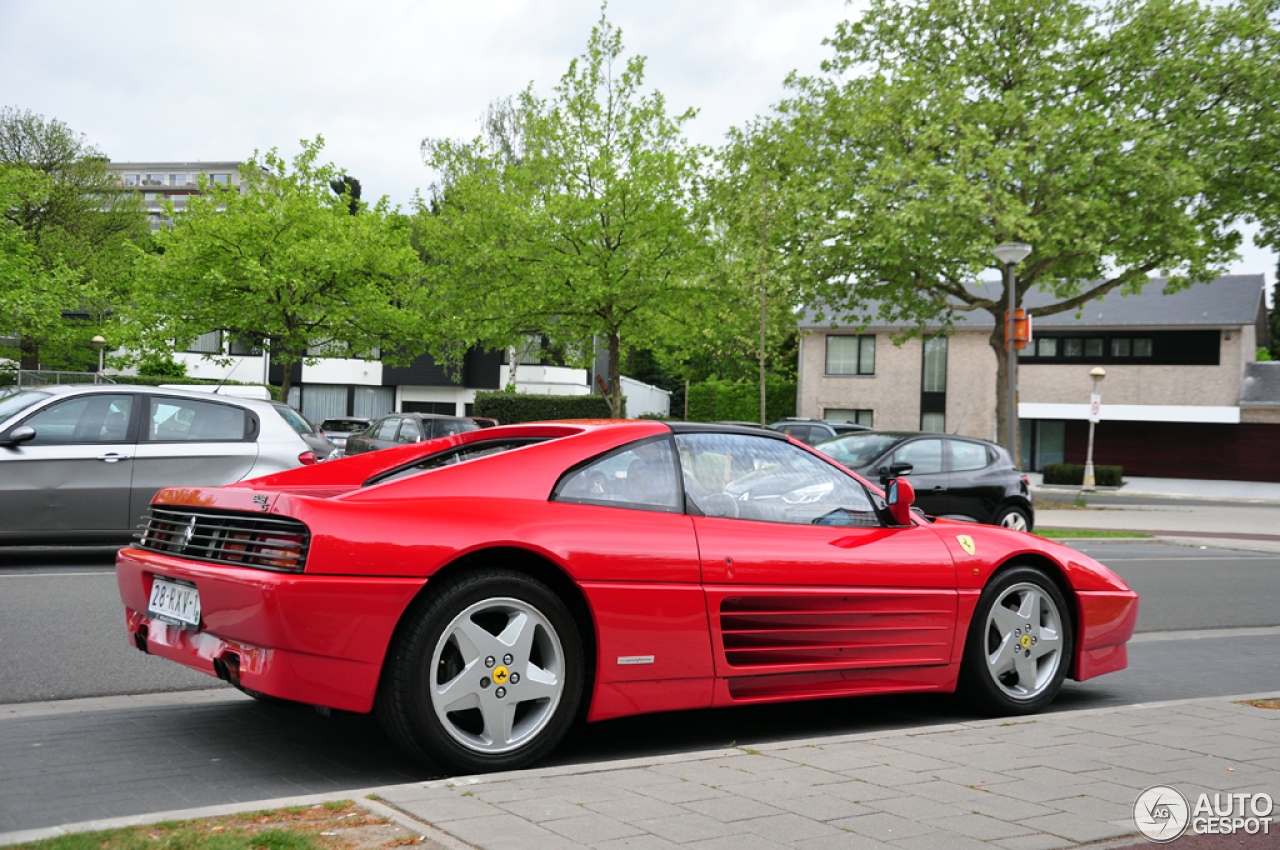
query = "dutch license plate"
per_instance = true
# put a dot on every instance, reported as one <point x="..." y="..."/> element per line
<point x="174" y="602"/>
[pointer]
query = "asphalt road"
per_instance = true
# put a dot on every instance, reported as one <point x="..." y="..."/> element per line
<point x="61" y="631"/>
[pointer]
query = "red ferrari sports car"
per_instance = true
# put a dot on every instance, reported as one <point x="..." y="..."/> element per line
<point x="479" y="592"/>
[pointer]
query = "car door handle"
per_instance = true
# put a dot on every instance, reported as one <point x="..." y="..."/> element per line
<point x="112" y="457"/>
<point x="939" y="488"/>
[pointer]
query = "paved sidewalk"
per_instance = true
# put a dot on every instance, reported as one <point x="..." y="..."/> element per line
<point x="1049" y="781"/>
<point x="1181" y="488"/>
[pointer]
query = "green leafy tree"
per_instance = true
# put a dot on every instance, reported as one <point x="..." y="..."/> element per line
<point x="580" y="228"/>
<point x="67" y="227"/>
<point x="1106" y="135"/>
<point x="284" y="260"/>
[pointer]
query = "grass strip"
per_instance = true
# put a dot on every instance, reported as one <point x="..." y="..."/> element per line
<point x="335" y="825"/>
<point x="1084" y="532"/>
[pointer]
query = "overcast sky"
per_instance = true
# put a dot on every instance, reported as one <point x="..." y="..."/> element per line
<point x="185" y="81"/>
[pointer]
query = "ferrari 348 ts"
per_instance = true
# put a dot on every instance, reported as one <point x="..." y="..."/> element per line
<point x="481" y="591"/>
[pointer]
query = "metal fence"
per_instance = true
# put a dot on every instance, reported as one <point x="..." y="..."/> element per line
<point x="43" y="377"/>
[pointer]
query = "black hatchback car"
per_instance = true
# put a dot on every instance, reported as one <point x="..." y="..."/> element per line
<point x="954" y="477"/>
<point x="397" y="428"/>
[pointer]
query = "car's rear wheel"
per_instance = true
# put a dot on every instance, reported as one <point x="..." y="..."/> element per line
<point x="1015" y="518"/>
<point x="1019" y="645"/>
<point x="487" y="675"/>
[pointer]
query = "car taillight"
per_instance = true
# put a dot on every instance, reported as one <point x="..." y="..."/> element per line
<point x="1026" y="482"/>
<point x="282" y="551"/>
<point x="308" y="458"/>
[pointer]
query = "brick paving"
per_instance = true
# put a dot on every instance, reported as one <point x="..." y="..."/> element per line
<point x="1050" y="781"/>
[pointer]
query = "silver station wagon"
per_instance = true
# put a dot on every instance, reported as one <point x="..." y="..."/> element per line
<point x="80" y="464"/>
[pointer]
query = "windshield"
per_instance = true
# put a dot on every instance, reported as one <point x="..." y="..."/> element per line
<point x="18" y="402"/>
<point x="295" y="420"/>
<point x="347" y="425"/>
<point x="854" y="450"/>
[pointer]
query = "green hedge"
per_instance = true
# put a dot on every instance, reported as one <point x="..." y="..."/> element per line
<point x="1073" y="473"/>
<point x="716" y="399"/>
<point x="510" y="408"/>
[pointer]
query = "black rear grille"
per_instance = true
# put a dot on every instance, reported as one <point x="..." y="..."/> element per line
<point x="227" y="537"/>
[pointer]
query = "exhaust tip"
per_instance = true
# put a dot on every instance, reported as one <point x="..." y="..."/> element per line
<point x="227" y="668"/>
<point x="140" y="640"/>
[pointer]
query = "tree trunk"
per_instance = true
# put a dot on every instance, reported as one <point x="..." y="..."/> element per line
<point x="763" y="416"/>
<point x="286" y="379"/>
<point x="1002" y="391"/>
<point x="30" y="359"/>
<point x="513" y="364"/>
<point x="615" y="375"/>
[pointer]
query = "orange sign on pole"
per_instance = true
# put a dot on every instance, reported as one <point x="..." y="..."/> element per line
<point x="1021" y="329"/>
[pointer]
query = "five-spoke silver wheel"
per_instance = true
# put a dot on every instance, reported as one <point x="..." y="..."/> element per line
<point x="1018" y="650"/>
<point x="1023" y="641"/>
<point x="499" y="673"/>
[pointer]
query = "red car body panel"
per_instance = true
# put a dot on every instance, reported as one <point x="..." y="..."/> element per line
<point x="686" y="611"/>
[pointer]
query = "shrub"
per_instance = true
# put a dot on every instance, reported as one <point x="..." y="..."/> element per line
<point x="510" y="408"/>
<point x="714" y="399"/>
<point x="161" y="367"/>
<point x="1073" y="473"/>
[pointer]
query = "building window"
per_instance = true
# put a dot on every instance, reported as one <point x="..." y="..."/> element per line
<point x="153" y="180"/>
<point x="207" y="343"/>
<point x="132" y="179"/>
<point x="220" y="177"/>
<point x="1157" y="348"/>
<point x="851" y="355"/>
<point x="245" y="347"/>
<point x="933" y="385"/>
<point x="847" y="414"/>
<point x="179" y="179"/>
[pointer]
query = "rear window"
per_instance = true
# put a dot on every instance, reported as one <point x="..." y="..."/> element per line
<point x="295" y="420"/>
<point x="455" y="455"/>
<point x="345" y="425"/>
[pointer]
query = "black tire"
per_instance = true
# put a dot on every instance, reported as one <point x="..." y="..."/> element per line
<point x="1032" y="679"/>
<point x="427" y="654"/>
<point x="1014" y="517"/>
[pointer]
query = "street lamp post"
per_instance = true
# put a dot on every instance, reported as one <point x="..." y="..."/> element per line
<point x="1010" y="254"/>
<point x="100" y="344"/>
<point x="1097" y="373"/>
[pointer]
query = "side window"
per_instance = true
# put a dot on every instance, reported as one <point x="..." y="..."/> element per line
<point x="642" y="476"/>
<point x="967" y="456"/>
<point x="87" y="419"/>
<point x="387" y="428"/>
<point x="409" y="431"/>
<point x="925" y="456"/>
<point x="756" y="478"/>
<point x="449" y="427"/>
<point x="175" y="419"/>
<point x="798" y="432"/>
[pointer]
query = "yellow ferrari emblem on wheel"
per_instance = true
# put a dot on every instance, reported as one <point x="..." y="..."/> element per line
<point x="500" y="675"/>
<point x="1026" y="641"/>
<point x="966" y="543"/>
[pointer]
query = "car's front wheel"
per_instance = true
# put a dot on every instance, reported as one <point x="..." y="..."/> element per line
<point x="1019" y="646"/>
<point x="487" y="675"/>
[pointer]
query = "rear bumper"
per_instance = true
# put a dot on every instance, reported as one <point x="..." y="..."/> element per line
<point x="1106" y="622"/>
<point x="314" y="639"/>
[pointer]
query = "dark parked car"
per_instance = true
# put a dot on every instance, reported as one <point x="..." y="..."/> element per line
<point x="339" y="428"/>
<point x="814" y="431"/>
<point x="954" y="477"/>
<point x="395" y="429"/>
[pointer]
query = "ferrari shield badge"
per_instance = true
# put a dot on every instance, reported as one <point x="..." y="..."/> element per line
<point x="966" y="543"/>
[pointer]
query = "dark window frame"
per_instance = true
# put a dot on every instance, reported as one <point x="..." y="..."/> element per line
<point x="858" y="370"/>
<point x="1168" y="348"/>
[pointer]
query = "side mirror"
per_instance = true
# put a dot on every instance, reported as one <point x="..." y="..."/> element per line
<point x="899" y="495"/>
<point x="893" y="471"/>
<point x="19" y="435"/>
